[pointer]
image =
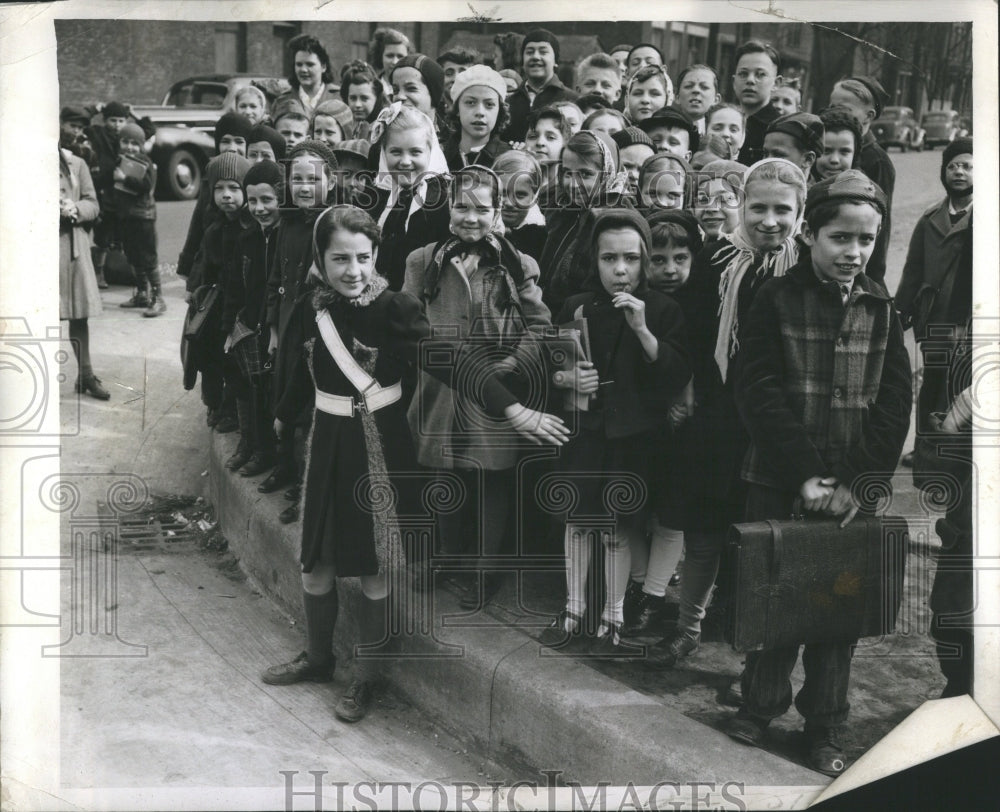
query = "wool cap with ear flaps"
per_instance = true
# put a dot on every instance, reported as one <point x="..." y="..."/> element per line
<point x="232" y="124"/>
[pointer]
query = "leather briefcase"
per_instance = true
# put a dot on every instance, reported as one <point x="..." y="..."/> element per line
<point x="806" y="580"/>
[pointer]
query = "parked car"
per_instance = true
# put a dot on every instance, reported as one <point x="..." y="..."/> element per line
<point x="184" y="125"/>
<point x="942" y="127"/>
<point x="898" y="127"/>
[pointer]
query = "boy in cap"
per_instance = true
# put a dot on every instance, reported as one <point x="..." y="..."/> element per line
<point x="797" y="137"/>
<point x="135" y="209"/>
<point x="671" y="130"/>
<point x="352" y="160"/>
<point x="823" y="386"/>
<point x="634" y="147"/>
<point x="453" y="62"/>
<point x="541" y="87"/>
<point x="73" y="122"/>
<point x="104" y="158"/>
<point x="866" y="97"/>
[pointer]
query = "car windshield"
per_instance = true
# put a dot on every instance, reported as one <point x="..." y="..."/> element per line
<point x="937" y="116"/>
<point x="197" y="94"/>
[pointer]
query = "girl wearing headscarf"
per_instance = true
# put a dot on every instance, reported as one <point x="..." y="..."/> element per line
<point x="589" y="179"/>
<point x="477" y="282"/>
<point x="408" y="194"/>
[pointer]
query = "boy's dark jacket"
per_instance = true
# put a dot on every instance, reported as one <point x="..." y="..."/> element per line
<point x="637" y="393"/>
<point x="823" y="389"/>
<point x="453" y="155"/>
<point x="104" y="144"/>
<point x="246" y="287"/>
<point x="138" y="202"/>
<point x="521" y="105"/>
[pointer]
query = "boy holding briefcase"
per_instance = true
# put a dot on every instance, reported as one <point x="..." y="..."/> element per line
<point x="823" y="386"/>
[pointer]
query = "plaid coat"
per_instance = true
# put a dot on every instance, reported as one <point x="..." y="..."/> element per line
<point x="824" y="389"/>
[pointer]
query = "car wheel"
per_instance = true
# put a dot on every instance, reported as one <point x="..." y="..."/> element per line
<point x="183" y="175"/>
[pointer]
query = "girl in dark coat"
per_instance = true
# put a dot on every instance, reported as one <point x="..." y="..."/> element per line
<point x="639" y="364"/>
<point x="408" y="196"/>
<point x="477" y="117"/>
<point x="353" y="454"/>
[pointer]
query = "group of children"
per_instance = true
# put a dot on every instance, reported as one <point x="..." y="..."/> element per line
<point x="740" y="352"/>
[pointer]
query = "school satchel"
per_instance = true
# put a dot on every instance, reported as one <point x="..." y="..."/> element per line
<point x="205" y="301"/>
<point x="806" y="580"/>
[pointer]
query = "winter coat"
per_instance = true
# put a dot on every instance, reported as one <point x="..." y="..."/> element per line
<point x="136" y="201"/>
<point x="499" y="307"/>
<point x="939" y="257"/>
<point x="105" y="158"/>
<point x="427" y="224"/>
<point x="79" y="296"/>
<point x="876" y="164"/>
<point x="521" y="105"/>
<point x="756" y="128"/>
<point x="823" y="388"/>
<point x="246" y="287"/>
<point x="202" y="215"/>
<point x="344" y="453"/>
<point x="331" y="92"/>
<point x="456" y="160"/>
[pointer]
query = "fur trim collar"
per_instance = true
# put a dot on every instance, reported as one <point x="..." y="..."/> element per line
<point x="325" y="297"/>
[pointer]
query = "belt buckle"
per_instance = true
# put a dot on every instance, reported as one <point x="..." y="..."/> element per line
<point x="359" y="406"/>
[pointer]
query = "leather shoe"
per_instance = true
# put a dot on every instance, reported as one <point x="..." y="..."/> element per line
<point x="354" y="704"/>
<point x="278" y="478"/>
<point x="562" y="629"/>
<point x="649" y="611"/>
<point x="298" y="670"/>
<point x="746" y="728"/>
<point x="227" y="423"/>
<point x="91" y="385"/>
<point x="610" y="645"/>
<point x="294" y="492"/>
<point x="491" y="584"/>
<point x="669" y="650"/>
<point x="826" y="754"/>
<point x="289" y="514"/>
<point x="256" y="465"/>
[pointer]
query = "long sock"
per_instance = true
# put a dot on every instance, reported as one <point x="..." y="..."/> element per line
<point x="321" y="618"/>
<point x="79" y="336"/>
<point x="665" y="553"/>
<point x="577" y="543"/>
<point x="640" y="558"/>
<point x="374" y="631"/>
<point x="616" y="572"/>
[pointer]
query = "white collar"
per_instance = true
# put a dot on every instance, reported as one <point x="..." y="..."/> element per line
<point x="952" y="210"/>
<point x="534" y="217"/>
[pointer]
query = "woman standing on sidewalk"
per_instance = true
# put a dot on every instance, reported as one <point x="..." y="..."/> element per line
<point x="361" y="338"/>
<point x="79" y="297"/>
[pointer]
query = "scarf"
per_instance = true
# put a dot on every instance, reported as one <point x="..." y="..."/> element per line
<point x="413" y="196"/>
<point x="467" y="255"/>
<point x="668" y="88"/>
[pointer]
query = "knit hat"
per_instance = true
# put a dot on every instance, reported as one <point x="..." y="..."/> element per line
<point x="541" y="35"/>
<point x="261" y="132"/>
<point x="671" y="116"/>
<point x="227" y="166"/>
<point x="319" y="148"/>
<point x="133" y="131"/>
<point x="507" y="73"/>
<point x="879" y="95"/>
<point x="635" y="48"/>
<point x="606" y="219"/>
<point x="353" y="148"/>
<point x="431" y="72"/>
<point x="851" y="185"/>
<point x="806" y="128"/>
<point x="266" y="172"/>
<point x="74" y="115"/>
<point x="289" y="104"/>
<point x="731" y="172"/>
<point x="631" y="136"/>
<point x="232" y="124"/>
<point x="479" y="75"/>
<point x="114" y="110"/>
<point x="337" y="110"/>
<point x="960" y="146"/>
<point x="684" y="219"/>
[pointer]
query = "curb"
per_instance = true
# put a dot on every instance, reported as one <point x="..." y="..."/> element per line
<point x="493" y="686"/>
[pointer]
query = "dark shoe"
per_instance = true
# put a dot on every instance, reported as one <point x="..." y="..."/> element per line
<point x="91" y="385"/>
<point x="491" y="584"/>
<point x="826" y="753"/>
<point x="294" y="492"/>
<point x="240" y="458"/>
<point x="675" y="579"/>
<point x="227" y="424"/>
<point x="211" y="418"/>
<point x="648" y="614"/>
<point x="298" y="670"/>
<point x="633" y="602"/>
<point x="289" y="514"/>
<point x="733" y="695"/>
<point x="746" y="728"/>
<point x="278" y="478"/>
<point x="669" y="650"/>
<point x="907" y="460"/>
<point x="563" y="628"/>
<point x="609" y="645"/>
<point x="256" y="465"/>
<point x="157" y="307"/>
<point x="354" y="704"/>
<point x="139" y="299"/>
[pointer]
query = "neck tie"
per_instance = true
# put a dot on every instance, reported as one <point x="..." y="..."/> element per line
<point x="845" y="294"/>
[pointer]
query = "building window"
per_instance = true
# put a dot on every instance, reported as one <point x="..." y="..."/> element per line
<point x="359" y="51"/>
<point x="230" y="48"/>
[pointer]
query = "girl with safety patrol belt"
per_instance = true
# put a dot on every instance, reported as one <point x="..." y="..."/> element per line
<point x="361" y="344"/>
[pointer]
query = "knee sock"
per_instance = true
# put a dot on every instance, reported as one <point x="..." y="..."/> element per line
<point x="321" y="618"/>
<point x="640" y="558"/>
<point x="79" y="336"/>
<point x="665" y="553"/>
<point x="577" y="544"/>
<point x="374" y="631"/>
<point x="616" y="572"/>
